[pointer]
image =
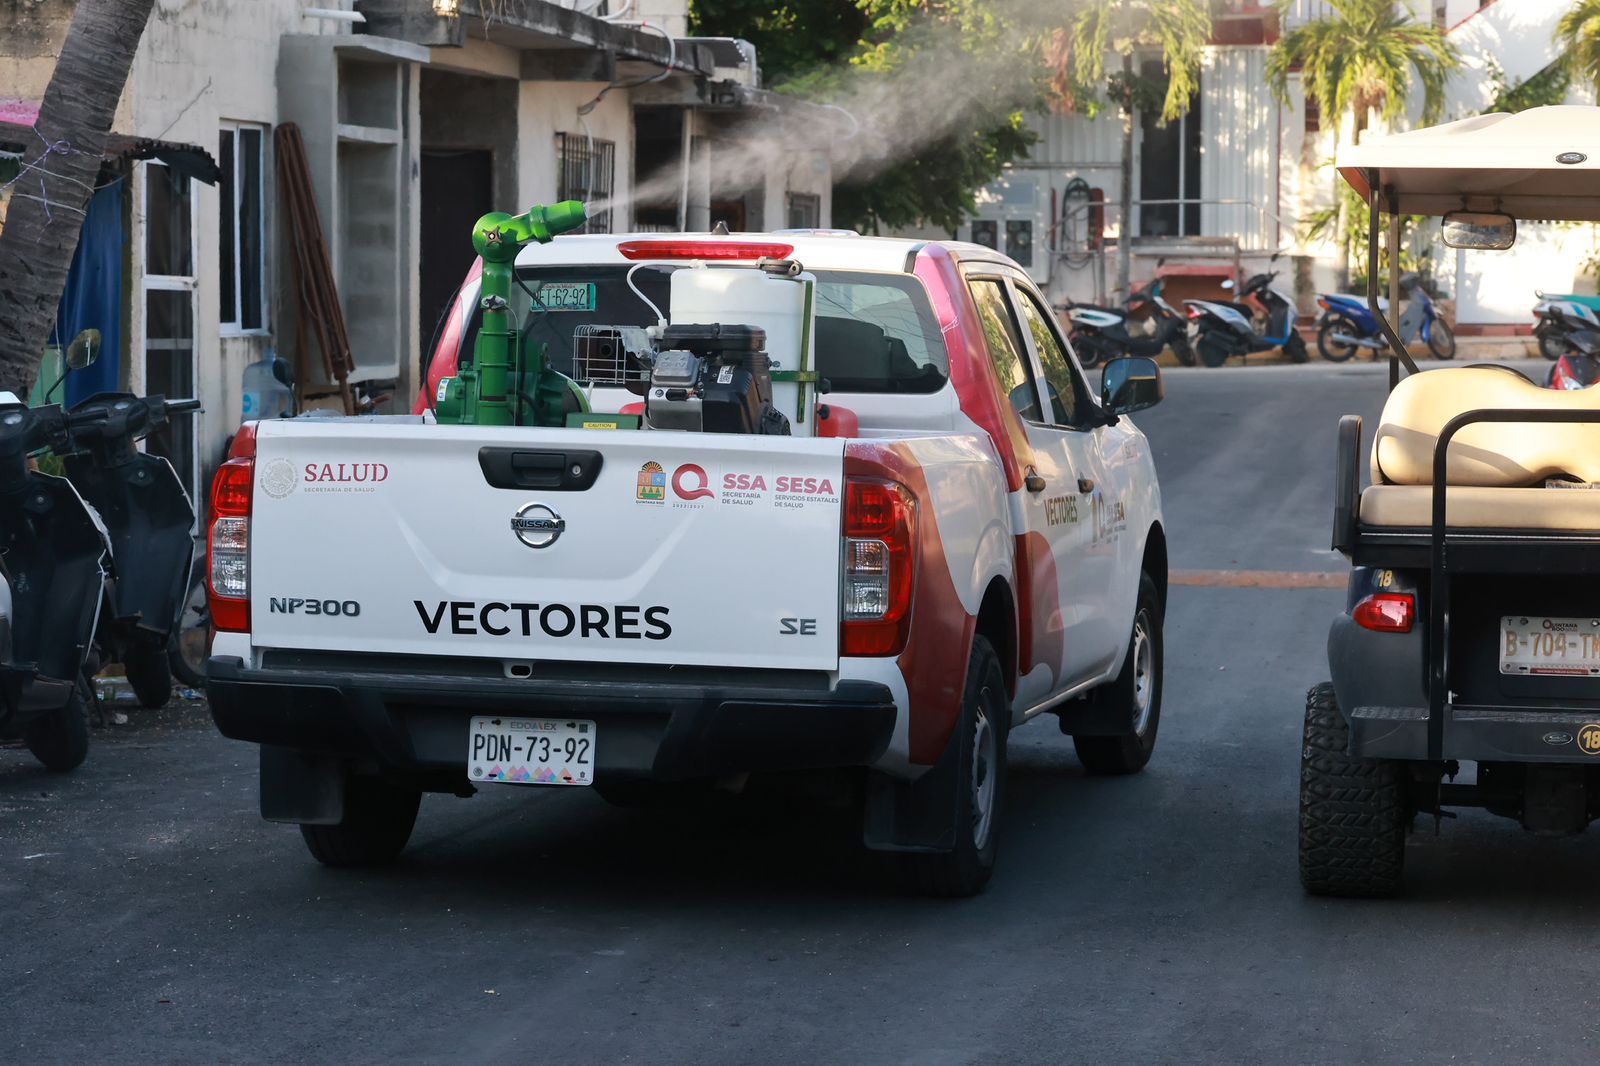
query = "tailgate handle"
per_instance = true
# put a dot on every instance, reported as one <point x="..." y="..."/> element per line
<point x="553" y="470"/>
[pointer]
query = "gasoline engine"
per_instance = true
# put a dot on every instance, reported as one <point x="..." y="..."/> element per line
<point x="713" y="378"/>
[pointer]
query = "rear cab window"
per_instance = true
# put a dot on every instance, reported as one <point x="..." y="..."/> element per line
<point x="875" y="332"/>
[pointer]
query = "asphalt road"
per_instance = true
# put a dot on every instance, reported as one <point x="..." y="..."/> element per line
<point x="147" y="914"/>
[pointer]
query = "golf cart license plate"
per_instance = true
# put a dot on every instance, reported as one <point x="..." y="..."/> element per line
<point x="1534" y="645"/>
<point x="531" y="751"/>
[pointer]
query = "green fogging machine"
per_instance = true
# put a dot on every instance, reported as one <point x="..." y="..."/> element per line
<point x="505" y="384"/>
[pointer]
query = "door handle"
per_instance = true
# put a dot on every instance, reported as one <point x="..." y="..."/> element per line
<point x="1085" y="486"/>
<point x="1033" y="482"/>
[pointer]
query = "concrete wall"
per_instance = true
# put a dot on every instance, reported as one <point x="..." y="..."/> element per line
<point x="548" y="108"/>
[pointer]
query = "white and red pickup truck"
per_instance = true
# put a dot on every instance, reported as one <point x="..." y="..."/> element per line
<point x="403" y="606"/>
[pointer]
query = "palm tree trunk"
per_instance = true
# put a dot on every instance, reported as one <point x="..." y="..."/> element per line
<point x="58" y="173"/>
<point x="1125" y="213"/>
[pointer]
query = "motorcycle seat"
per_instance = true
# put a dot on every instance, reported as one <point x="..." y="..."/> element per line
<point x="1498" y="469"/>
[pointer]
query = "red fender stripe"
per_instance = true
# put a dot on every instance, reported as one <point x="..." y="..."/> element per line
<point x="443" y="363"/>
<point x="934" y="662"/>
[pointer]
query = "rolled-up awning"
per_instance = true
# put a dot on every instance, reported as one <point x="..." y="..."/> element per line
<point x="1543" y="163"/>
<point x="18" y="136"/>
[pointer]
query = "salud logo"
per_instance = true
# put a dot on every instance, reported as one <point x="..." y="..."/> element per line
<point x="277" y="478"/>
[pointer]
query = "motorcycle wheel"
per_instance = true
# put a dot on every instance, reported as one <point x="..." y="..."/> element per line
<point x="61" y="740"/>
<point x="1212" y="352"/>
<point x="1442" y="340"/>
<point x="1180" y="348"/>
<point x="1552" y="347"/>
<point x="1089" y="353"/>
<point x="1334" y="351"/>
<point x="149" y="674"/>
<point x="191" y="640"/>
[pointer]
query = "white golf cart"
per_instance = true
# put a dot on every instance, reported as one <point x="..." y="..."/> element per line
<point x="1472" y="627"/>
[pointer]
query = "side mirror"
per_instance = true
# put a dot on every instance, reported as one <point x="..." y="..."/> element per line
<point x="1130" y="384"/>
<point x="84" y="349"/>
<point x="1491" y="231"/>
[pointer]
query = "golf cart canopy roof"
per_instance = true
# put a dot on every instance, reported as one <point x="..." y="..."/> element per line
<point x="1543" y="163"/>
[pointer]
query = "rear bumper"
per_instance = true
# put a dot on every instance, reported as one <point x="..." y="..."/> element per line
<point x="665" y="730"/>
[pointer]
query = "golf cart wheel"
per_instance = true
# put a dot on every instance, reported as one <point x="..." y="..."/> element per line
<point x="1180" y="348"/>
<point x="1332" y="350"/>
<point x="1136" y="692"/>
<point x="60" y="740"/>
<point x="1353" y="812"/>
<point x="978" y="748"/>
<point x="378" y="819"/>
<point x="1442" y="340"/>
<point x="1552" y="347"/>
<point x="1295" y="347"/>
<point x="149" y="675"/>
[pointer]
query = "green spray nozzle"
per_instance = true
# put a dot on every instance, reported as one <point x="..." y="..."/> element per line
<point x="497" y="236"/>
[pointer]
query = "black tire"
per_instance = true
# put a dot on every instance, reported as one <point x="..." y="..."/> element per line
<point x="1441" y="340"/>
<point x="1295" y="347"/>
<point x="1552" y="346"/>
<point x="1332" y="350"/>
<point x="1180" y="348"/>
<point x="1136" y="692"/>
<point x="978" y="748"/>
<point x="149" y="675"/>
<point x="191" y="639"/>
<point x="1353" y="812"/>
<point x="1089" y="353"/>
<point x="60" y="740"/>
<point x="1212" y="352"/>
<point x="378" y="819"/>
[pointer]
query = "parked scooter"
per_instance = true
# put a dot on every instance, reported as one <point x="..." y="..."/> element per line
<point x="1347" y="324"/>
<point x="56" y="554"/>
<point x="1579" y="366"/>
<point x="1102" y="333"/>
<point x="1220" y="330"/>
<point x="149" y="518"/>
<point x="1556" y="317"/>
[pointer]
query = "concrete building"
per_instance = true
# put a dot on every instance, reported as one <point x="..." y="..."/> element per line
<point x="417" y="116"/>
<point x="1232" y="184"/>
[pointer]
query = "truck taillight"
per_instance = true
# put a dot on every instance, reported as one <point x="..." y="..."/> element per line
<point x="228" y="545"/>
<point x="875" y="605"/>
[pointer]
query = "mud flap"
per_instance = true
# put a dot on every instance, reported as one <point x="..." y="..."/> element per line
<point x="916" y="815"/>
<point x="301" y="787"/>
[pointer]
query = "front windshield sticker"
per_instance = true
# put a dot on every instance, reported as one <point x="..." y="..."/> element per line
<point x="566" y="295"/>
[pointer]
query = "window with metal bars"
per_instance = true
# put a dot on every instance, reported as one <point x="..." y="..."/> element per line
<point x="585" y="169"/>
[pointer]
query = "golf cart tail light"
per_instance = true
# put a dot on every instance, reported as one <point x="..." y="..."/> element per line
<point x="1387" y="612"/>
<point x="875" y="600"/>
<point x="746" y="250"/>
<point x="228" y="546"/>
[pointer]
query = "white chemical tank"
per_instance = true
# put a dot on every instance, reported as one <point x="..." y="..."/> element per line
<point x="784" y="307"/>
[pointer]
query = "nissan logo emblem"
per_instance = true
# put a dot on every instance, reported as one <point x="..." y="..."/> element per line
<point x="538" y="526"/>
<point x="1570" y="158"/>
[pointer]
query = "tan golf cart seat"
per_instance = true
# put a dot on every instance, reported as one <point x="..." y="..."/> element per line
<point x="1497" y="472"/>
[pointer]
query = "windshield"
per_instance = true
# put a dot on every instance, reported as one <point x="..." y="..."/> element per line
<point x="875" y="332"/>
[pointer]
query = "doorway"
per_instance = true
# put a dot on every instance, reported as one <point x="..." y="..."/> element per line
<point x="457" y="190"/>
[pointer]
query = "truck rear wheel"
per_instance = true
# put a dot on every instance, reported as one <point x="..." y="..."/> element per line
<point x="1136" y="693"/>
<point x="1353" y="812"/>
<point x="378" y="818"/>
<point x="979" y="750"/>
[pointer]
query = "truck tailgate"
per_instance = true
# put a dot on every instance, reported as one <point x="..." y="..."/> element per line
<point x="597" y="545"/>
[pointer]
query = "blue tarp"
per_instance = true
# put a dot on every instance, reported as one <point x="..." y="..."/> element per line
<point x="93" y="296"/>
